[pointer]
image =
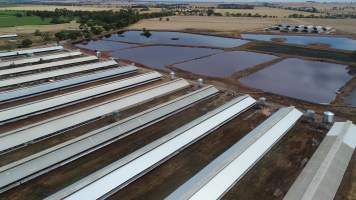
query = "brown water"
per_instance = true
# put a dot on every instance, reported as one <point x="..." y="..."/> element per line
<point x="160" y="56"/>
<point x="311" y="81"/>
<point x="225" y="64"/>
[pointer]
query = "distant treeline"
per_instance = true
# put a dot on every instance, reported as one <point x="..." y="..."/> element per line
<point x="171" y="6"/>
<point x="304" y="9"/>
<point x="235" y="6"/>
<point x="95" y="22"/>
<point x="328" y="16"/>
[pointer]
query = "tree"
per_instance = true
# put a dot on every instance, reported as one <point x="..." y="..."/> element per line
<point x="107" y="27"/>
<point x="37" y="33"/>
<point x="88" y="35"/>
<point x="73" y="35"/>
<point x="46" y="36"/>
<point x="26" y="43"/>
<point x="19" y="14"/>
<point x="146" y="33"/>
<point x="60" y="35"/>
<point x="56" y="20"/>
<point x="96" y="30"/>
<point x="210" y="12"/>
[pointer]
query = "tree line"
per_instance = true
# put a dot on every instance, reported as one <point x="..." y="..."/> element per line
<point x="327" y="16"/>
<point x="95" y="22"/>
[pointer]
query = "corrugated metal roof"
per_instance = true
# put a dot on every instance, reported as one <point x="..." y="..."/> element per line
<point x="120" y="173"/>
<point x="222" y="173"/>
<point x="73" y="81"/>
<point x="30" y="51"/>
<point x="60" y="100"/>
<point x="8" y="35"/>
<point x="47" y="65"/>
<point x="77" y="147"/>
<point x="321" y="177"/>
<point x="54" y="73"/>
<point x="44" y="129"/>
<point x="38" y="59"/>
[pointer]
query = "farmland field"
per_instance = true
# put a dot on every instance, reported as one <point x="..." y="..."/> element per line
<point x="81" y="8"/>
<point x="9" y="19"/>
<point x="238" y="24"/>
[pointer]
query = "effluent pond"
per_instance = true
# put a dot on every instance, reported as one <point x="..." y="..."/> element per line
<point x="342" y="43"/>
<point x="176" y="38"/>
<point x="224" y="64"/>
<point x="160" y="56"/>
<point x="312" y="81"/>
<point x="103" y="45"/>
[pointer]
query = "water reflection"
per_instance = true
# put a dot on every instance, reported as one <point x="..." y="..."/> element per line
<point x="103" y="45"/>
<point x="334" y="42"/>
<point x="307" y="80"/>
<point x="225" y="64"/>
<point x="176" y="38"/>
<point x="160" y="56"/>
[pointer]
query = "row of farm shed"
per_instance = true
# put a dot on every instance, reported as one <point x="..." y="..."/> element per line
<point x="64" y="114"/>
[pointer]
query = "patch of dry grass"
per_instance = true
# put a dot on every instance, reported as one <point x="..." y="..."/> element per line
<point x="238" y="24"/>
<point x="43" y="28"/>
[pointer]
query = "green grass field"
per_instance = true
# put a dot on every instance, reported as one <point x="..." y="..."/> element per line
<point x="9" y="19"/>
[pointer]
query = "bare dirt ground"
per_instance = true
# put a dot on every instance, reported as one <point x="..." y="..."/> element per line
<point x="234" y="25"/>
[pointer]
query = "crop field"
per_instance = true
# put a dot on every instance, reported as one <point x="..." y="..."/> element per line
<point x="82" y="8"/>
<point x="26" y="29"/>
<point x="9" y="19"/>
<point x="235" y="25"/>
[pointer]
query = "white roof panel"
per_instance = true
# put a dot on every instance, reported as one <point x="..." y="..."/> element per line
<point x="38" y="59"/>
<point x="8" y="35"/>
<point x="82" y="145"/>
<point x="30" y="51"/>
<point x="46" y="128"/>
<point x="54" y="73"/>
<point x="222" y="173"/>
<point x="47" y="65"/>
<point x="350" y="137"/>
<point x="129" y="168"/>
<point x="73" y="81"/>
<point x="45" y="104"/>
<point x="321" y="177"/>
